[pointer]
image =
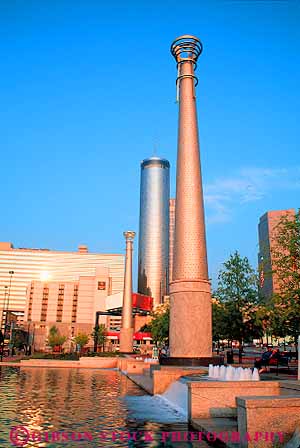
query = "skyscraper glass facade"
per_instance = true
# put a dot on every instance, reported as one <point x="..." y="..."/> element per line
<point x="153" y="259"/>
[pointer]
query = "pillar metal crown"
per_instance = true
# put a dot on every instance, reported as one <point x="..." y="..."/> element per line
<point x="186" y="48"/>
<point x="129" y="235"/>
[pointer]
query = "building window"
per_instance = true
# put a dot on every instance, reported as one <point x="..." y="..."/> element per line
<point x="75" y="303"/>
<point x="30" y="306"/>
<point x="60" y="303"/>
<point x="44" y="304"/>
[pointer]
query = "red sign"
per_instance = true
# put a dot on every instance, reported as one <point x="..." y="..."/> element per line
<point x="101" y="286"/>
<point x="142" y="302"/>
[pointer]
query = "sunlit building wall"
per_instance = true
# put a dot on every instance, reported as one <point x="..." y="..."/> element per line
<point x="19" y="267"/>
<point x="68" y="305"/>
<point x="267" y="239"/>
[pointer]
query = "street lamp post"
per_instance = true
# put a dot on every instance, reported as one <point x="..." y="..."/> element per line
<point x="11" y="273"/>
<point x="4" y="308"/>
<point x="5" y="321"/>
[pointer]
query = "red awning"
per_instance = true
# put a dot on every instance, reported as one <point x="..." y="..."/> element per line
<point x="138" y="336"/>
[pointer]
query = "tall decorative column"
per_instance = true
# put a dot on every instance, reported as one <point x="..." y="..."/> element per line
<point x="126" y="333"/>
<point x="190" y="296"/>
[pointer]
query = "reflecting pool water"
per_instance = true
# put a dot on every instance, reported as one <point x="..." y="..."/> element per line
<point x="41" y="407"/>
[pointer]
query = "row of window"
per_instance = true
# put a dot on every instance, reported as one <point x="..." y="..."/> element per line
<point x="60" y="303"/>
<point x="74" y="304"/>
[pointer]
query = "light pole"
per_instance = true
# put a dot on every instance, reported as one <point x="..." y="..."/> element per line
<point x="11" y="273"/>
<point x="4" y="308"/>
<point x="5" y="320"/>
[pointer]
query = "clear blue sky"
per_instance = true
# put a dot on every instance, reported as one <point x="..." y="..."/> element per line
<point x="88" y="91"/>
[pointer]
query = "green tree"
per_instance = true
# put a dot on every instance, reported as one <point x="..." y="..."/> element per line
<point x="256" y="318"/>
<point x="219" y="320"/>
<point x="237" y="292"/>
<point x="145" y="328"/>
<point x="81" y="339"/>
<point x="159" y="325"/>
<point x="285" y="255"/>
<point x="55" y="339"/>
<point x="19" y="338"/>
<point x="99" y="336"/>
<point x="264" y="317"/>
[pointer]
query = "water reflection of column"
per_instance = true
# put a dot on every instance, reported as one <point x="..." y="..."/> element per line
<point x="123" y="385"/>
<point x="126" y="333"/>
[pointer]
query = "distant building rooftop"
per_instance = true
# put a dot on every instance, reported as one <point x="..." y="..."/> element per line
<point x="155" y="161"/>
<point x="82" y="248"/>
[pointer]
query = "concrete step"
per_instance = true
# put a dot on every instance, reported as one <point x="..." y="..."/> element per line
<point x="223" y="427"/>
<point x="289" y="387"/>
<point x="145" y="382"/>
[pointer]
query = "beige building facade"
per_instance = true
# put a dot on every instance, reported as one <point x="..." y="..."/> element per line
<point x="20" y="266"/>
<point x="70" y="306"/>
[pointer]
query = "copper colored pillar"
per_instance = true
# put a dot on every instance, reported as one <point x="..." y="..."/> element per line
<point x="190" y="297"/>
<point x="126" y="333"/>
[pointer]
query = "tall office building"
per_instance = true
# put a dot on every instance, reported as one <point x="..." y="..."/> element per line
<point x="171" y="237"/>
<point x="153" y="257"/>
<point x="19" y="267"/>
<point x="69" y="305"/>
<point x="267" y="235"/>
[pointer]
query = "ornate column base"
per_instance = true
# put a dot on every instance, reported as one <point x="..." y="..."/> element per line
<point x="126" y="340"/>
<point x="190" y="320"/>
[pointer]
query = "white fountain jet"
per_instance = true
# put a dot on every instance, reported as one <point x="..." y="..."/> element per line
<point x="255" y="375"/>
<point x="249" y="372"/>
<point x="236" y="374"/>
<point x="222" y="372"/>
<point x="230" y="373"/>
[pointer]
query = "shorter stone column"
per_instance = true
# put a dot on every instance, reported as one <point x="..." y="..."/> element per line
<point x="126" y="333"/>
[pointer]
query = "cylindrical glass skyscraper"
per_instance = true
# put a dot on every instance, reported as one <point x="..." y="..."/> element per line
<point x="153" y="261"/>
